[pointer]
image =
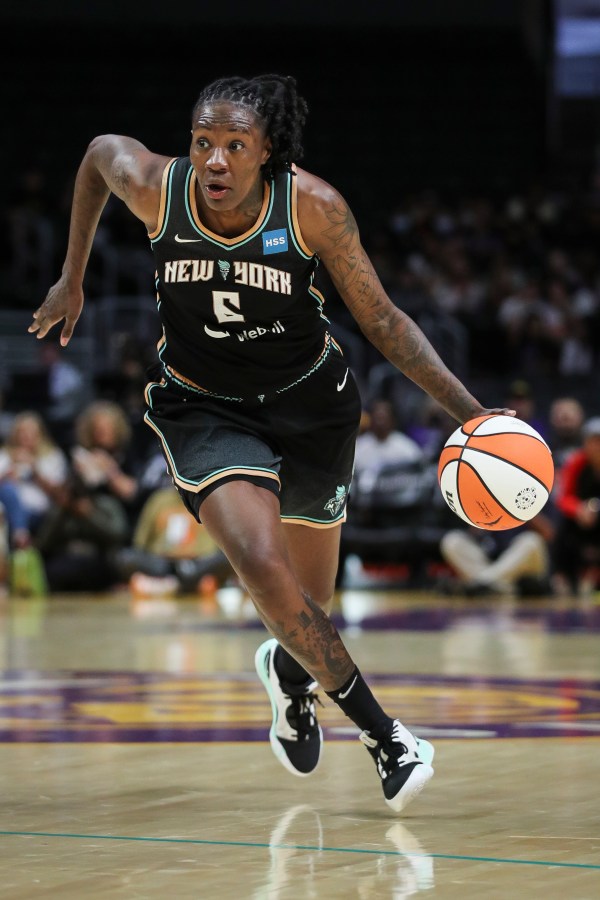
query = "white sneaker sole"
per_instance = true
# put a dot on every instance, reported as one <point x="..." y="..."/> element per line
<point x="417" y="780"/>
<point x="261" y="671"/>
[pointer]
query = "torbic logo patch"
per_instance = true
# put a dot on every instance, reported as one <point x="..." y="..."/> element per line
<point x="275" y="241"/>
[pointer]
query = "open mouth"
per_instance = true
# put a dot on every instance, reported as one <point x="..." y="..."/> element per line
<point x="215" y="190"/>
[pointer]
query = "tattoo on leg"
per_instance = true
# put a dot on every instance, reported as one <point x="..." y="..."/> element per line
<point x="317" y="645"/>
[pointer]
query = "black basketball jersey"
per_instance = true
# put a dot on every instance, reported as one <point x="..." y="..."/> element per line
<point x="241" y="316"/>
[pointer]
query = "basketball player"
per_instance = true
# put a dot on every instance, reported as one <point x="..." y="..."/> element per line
<point x="252" y="401"/>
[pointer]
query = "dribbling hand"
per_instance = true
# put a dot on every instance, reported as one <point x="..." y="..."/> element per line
<point x="63" y="301"/>
<point x="497" y="411"/>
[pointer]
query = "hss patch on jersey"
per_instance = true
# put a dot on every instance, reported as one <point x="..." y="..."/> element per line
<point x="275" y="241"/>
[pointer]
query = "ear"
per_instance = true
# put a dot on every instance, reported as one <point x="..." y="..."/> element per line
<point x="268" y="147"/>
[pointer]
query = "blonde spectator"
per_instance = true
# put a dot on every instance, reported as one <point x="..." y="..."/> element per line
<point x="96" y="513"/>
<point x="101" y="454"/>
<point x="36" y="466"/>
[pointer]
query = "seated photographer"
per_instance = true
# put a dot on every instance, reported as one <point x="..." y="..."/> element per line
<point x="512" y="562"/>
<point x="171" y="552"/>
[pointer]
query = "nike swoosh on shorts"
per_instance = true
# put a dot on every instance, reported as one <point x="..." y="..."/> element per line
<point x="341" y="386"/>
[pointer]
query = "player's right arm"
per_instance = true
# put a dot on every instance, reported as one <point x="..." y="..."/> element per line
<point x="112" y="164"/>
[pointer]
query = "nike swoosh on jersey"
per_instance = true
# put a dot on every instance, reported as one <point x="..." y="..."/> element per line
<point x="215" y="334"/>
<point x="341" y="386"/>
<point x="187" y="240"/>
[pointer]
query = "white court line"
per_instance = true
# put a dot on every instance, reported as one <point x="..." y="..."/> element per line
<point x="549" y="837"/>
<point x="428" y="732"/>
<point x="561" y="726"/>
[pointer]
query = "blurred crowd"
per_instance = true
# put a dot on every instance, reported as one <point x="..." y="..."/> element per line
<point x="507" y="289"/>
<point x="94" y="509"/>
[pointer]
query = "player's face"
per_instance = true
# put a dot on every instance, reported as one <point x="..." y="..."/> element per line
<point x="229" y="146"/>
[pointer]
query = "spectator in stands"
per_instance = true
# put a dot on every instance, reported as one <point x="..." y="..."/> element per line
<point x="124" y="384"/>
<point x="14" y="516"/>
<point x="577" y="351"/>
<point x="382" y="443"/>
<point x="500" y="562"/>
<point x="458" y="292"/>
<point x="432" y="428"/>
<point x="102" y="457"/>
<point x="34" y="464"/>
<point x="171" y="552"/>
<point x="566" y="417"/>
<point x="521" y="398"/>
<point x="96" y="509"/>
<point x="576" y="548"/>
<point x="66" y="391"/>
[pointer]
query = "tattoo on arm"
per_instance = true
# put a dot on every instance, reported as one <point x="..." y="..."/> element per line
<point x="348" y="270"/>
<point x="394" y="333"/>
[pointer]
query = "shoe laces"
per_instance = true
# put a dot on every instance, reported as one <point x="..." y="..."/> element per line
<point x="301" y="715"/>
<point x="394" y="746"/>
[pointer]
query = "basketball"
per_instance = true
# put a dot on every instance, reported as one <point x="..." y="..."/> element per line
<point x="496" y="472"/>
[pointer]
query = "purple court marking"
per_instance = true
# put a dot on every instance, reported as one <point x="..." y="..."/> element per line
<point x="131" y="707"/>
<point x="549" y="618"/>
<point x="434" y="616"/>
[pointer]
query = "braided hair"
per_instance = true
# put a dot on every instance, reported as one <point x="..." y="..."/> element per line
<point x="276" y="102"/>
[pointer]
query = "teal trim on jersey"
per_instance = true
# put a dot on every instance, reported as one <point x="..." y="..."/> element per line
<point x="290" y="219"/>
<point x="206" y="237"/>
<point x="317" y="365"/>
<point x="319" y="304"/>
<point x="167" y="205"/>
<point x="196" y="390"/>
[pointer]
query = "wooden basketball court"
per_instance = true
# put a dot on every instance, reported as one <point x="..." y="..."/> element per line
<point x="134" y="760"/>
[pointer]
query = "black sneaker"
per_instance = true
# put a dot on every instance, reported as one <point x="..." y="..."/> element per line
<point x="402" y="770"/>
<point x="296" y="737"/>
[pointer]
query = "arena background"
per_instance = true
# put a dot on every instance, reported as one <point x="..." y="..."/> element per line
<point x="460" y="99"/>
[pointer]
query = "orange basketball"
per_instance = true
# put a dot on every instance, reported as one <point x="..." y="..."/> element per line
<point x="496" y="472"/>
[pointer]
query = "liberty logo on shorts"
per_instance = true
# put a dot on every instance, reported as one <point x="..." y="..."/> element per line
<point x="275" y="241"/>
<point x="336" y="503"/>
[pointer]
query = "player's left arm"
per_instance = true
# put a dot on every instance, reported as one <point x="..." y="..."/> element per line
<point x="329" y="229"/>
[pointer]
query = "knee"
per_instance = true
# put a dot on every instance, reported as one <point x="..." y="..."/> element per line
<point x="262" y="567"/>
<point x="451" y="542"/>
<point x="530" y="542"/>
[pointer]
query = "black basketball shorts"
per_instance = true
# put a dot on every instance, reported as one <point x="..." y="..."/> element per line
<point x="298" y="443"/>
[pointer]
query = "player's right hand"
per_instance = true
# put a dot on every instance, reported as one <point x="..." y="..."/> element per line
<point x="63" y="301"/>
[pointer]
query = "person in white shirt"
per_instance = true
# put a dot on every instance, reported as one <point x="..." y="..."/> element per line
<point x="382" y="444"/>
